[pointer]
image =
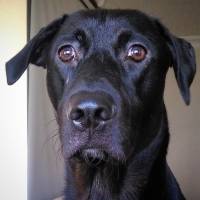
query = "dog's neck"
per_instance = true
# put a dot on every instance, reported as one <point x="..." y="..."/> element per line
<point x="123" y="181"/>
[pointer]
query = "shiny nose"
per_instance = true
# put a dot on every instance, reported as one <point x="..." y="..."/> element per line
<point x="90" y="112"/>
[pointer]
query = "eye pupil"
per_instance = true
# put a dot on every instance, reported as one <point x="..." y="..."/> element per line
<point x="66" y="53"/>
<point x="137" y="53"/>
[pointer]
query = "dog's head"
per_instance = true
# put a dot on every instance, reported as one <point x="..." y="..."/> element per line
<point x="105" y="75"/>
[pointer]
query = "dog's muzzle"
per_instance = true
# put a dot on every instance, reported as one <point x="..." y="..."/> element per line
<point x="91" y="114"/>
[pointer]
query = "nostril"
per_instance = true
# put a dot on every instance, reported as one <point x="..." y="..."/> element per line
<point x="76" y="114"/>
<point x="102" y="114"/>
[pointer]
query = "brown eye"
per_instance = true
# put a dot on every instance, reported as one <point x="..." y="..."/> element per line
<point x="66" y="53"/>
<point x="137" y="53"/>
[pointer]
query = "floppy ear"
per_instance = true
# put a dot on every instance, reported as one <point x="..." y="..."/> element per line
<point x="183" y="61"/>
<point x="33" y="52"/>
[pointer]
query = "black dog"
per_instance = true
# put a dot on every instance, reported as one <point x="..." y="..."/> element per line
<point x="106" y="76"/>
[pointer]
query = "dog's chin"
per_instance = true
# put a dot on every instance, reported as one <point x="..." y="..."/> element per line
<point x="91" y="157"/>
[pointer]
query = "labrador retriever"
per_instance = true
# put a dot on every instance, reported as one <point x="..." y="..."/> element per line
<point x="106" y="74"/>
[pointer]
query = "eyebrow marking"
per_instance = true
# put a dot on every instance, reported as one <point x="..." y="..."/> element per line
<point x="80" y="35"/>
<point x="123" y="37"/>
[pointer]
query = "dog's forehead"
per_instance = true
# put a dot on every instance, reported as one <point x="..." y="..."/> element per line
<point x="108" y="22"/>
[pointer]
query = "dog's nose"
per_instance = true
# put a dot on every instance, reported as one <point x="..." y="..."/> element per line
<point x="90" y="112"/>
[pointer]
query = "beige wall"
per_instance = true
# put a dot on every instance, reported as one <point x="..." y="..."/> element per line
<point x="13" y="104"/>
<point x="45" y="163"/>
<point x="181" y="16"/>
<point x="184" y="148"/>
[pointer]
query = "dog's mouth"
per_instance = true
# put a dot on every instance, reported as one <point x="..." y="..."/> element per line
<point x="92" y="157"/>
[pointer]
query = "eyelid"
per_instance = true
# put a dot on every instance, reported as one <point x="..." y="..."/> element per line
<point x="130" y="44"/>
<point x="65" y="44"/>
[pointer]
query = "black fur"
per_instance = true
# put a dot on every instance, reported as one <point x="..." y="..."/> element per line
<point x="130" y="163"/>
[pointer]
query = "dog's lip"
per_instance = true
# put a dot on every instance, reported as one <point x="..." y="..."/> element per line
<point x="94" y="152"/>
<point x="91" y="156"/>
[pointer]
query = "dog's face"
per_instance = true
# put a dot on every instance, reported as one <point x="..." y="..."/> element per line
<point x="105" y="76"/>
<point x="106" y="79"/>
